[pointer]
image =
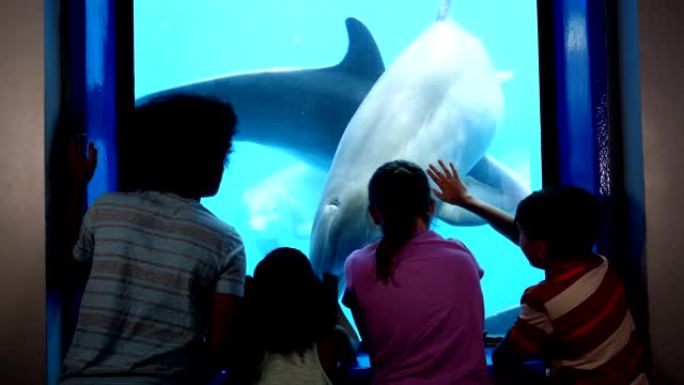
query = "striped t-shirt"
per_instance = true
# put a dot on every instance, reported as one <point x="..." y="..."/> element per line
<point x="157" y="260"/>
<point x="580" y="321"/>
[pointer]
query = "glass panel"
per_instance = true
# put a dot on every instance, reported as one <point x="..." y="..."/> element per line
<point x="276" y="175"/>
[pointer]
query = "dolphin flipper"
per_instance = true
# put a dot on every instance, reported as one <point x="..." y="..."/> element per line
<point x="322" y="227"/>
<point x="491" y="182"/>
<point x="497" y="325"/>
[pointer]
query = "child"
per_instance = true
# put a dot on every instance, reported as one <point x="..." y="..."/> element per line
<point x="166" y="274"/>
<point x="577" y="318"/>
<point x="290" y="334"/>
<point x="415" y="296"/>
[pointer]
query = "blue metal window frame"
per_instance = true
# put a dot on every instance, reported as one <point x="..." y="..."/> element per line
<point x="573" y="80"/>
<point x="96" y="97"/>
<point x="582" y="133"/>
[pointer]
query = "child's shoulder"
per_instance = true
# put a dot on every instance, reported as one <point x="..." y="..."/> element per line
<point x="364" y="253"/>
<point x="143" y="200"/>
<point x="435" y="239"/>
<point x="166" y="206"/>
<point x="210" y="219"/>
<point x="537" y="295"/>
<point x="574" y="283"/>
<point x="111" y="199"/>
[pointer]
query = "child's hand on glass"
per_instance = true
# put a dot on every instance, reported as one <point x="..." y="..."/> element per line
<point x="82" y="166"/>
<point x="451" y="188"/>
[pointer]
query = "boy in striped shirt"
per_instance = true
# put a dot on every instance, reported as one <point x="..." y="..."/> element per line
<point x="578" y="318"/>
<point x="166" y="275"/>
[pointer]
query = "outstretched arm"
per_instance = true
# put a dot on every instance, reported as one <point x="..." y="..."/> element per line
<point x="453" y="191"/>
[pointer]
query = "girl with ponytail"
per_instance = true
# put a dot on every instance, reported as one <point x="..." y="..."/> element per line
<point x="415" y="296"/>
<point x="400" y="203"/>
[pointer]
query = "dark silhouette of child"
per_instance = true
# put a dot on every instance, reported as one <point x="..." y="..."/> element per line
<point x="167" y="275"/>
<point x="578" y="318"/>
<point x="290" y="332"/>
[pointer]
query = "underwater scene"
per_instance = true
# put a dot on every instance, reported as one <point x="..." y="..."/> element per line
<point x="326" y="91"/>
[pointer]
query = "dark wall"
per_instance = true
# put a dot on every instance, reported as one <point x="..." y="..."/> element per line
<point x="22" y="196"/>
<point x="661" y="44"/>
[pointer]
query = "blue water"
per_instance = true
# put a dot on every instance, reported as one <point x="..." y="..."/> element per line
<point x="270" y="196"/>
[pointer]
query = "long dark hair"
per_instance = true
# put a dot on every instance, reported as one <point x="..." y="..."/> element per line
<point x="288" y="308"/>
<point x="400" y="191"/>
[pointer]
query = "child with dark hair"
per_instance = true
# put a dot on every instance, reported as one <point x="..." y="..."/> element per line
<point x="167" y="275"/>
<point x="415" y="296"/>
<point x="179" y="144"/>
<point x="289" y="334"/>
<point x="578" y="317"/>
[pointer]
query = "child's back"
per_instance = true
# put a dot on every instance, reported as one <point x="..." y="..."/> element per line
<point x="165" y="271"/>
<point x="302" y="368"/>
<point x="157" y="259"/>
<point x="426" y="326"/>
<point x="580" y="322"/>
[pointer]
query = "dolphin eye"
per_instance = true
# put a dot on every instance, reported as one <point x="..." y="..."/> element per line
<point x="334" y="202"/>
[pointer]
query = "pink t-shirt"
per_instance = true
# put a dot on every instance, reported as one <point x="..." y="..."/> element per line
<point x="426" y="325"/>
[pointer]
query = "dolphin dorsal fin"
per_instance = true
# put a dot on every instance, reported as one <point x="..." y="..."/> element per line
<point x="363" y="56"/>
<point x="444" y="6"/>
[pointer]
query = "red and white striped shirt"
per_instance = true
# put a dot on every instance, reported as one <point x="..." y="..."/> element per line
<point x="580" y="322"/>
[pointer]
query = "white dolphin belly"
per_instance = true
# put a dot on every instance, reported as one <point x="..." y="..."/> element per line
<point x="440" y="99"/>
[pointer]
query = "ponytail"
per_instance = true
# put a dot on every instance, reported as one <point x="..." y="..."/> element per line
<point x="401" y="193"/>
<point x="393" y="239"/>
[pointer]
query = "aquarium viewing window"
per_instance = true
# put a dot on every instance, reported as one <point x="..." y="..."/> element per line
<point x="298" y="71"/>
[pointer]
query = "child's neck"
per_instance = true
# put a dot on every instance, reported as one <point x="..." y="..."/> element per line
<point x="558" y="266"/>
<point x="421" y="224"/>
<point x="192" y="196"/>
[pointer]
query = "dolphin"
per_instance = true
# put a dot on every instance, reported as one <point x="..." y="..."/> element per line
<point x="282" y="203"/>
<point x="303" y="111"/>
<point x="441" y="98"/>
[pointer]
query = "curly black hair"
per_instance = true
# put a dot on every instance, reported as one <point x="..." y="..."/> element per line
<point x="178" y="143"/>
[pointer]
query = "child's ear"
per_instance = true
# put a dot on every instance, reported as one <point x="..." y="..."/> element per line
<point x="375" y="215"/>
<point x="542" y="251"/>
<point x="536" y="252"/>
<point x="431" y="207"/>
<point x="542" y="248"/>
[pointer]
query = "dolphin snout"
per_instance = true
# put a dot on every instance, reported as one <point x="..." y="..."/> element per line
<point x="322" y="238"/>
<point x="341" y="226"/>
